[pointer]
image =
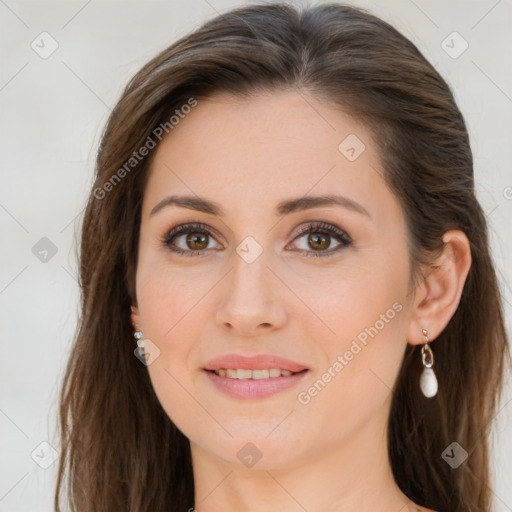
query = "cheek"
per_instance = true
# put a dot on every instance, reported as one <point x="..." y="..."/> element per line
<point x="360" y="325"/>
<point x="167" y="294"/>
<point x="172" y="303"/>
<point x="362" y="298"/>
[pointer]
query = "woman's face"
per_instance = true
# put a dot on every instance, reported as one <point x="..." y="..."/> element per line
<point x="273" y="273"/>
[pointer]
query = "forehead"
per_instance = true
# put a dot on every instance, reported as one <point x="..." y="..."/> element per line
<point x="247" y="152"/>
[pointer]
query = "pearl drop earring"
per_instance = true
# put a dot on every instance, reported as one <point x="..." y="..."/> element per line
<point x="428" y="379"/>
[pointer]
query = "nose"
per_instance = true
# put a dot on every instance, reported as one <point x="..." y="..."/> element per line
<point x="250" y="298"/>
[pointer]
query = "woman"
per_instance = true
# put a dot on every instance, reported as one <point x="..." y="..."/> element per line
<point x="288" y="300"/>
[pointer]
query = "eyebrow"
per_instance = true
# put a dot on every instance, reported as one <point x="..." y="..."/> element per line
<point x="283" y="208"/>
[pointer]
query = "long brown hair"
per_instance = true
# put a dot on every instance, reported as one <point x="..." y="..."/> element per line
<point x="120" y="451"/>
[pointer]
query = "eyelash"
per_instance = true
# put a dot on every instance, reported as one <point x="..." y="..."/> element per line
<point x="313" y="227"/>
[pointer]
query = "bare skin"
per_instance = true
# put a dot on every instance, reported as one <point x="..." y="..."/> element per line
<point x="328" y="451"/>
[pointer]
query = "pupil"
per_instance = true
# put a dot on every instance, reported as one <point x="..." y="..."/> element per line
<point x="199" y="238"/>
<point x="316" y="240"/>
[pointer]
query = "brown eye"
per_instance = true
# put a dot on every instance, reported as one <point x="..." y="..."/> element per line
<point x="319" y="242"/>
<point x="190" y="240"/>
<point x="197" y="241"/>
<point x="316" y="239"/>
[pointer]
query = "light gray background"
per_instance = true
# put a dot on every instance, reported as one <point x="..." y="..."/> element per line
<point x="52" y="113"/>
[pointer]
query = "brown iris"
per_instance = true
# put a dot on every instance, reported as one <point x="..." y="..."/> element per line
<point x="319" y="241"/>
<point x="197" y="238"/>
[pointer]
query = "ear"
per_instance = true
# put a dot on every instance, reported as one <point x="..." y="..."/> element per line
<point x="135" y="317"/>
<point x="438" y="295"/>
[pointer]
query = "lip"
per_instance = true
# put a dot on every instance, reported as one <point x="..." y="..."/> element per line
<point x="256" y="362"/>
<point x="250" y="388"/>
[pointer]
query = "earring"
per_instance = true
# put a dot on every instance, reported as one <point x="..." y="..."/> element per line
<point x="428" y="380"/>
<point x="139" y="338"/>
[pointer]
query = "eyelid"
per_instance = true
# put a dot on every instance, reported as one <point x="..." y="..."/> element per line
<point x="321" y="225"/>
<point x="343" y="238"/>
<point x="184" y="229"/>
<point x="188" y="227"/>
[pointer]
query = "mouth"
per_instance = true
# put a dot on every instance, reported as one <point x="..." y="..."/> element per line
<point x="253" y="377"/>
<point x="248" y="374"/>
<point x="247" y="384"/>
